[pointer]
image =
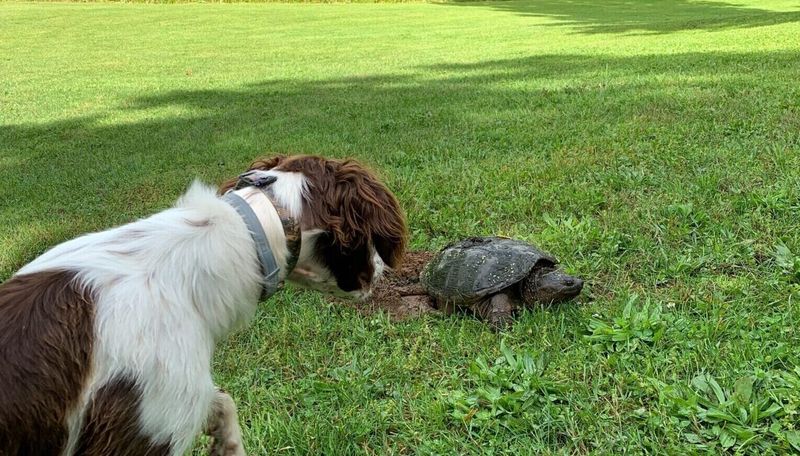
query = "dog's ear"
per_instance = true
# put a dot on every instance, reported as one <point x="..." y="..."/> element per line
<point x="368" y="212"/>
<point x="263" y="164"/>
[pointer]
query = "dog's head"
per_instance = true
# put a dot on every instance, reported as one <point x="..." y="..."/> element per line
<point x="352" y="225"/>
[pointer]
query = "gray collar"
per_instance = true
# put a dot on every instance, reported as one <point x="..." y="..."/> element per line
<point x="269" y="268"/>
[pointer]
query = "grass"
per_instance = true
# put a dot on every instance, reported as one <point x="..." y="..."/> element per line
<point x="653" y="146"/>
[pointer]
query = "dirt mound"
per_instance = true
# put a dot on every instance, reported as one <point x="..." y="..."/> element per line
<point x="399" y="293"/>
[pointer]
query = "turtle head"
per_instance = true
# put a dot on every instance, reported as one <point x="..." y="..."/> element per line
<point x="550" y="285"/>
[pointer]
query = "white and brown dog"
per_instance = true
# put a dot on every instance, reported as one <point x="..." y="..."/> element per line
<point x="106" y="340"/>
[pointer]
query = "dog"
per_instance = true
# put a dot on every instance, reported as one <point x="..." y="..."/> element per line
<point x="106" y="340"/>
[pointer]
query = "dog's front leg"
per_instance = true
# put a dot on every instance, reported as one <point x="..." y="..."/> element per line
<point x="223" y="427"/>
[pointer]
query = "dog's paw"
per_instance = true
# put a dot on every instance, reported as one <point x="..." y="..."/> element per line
<point x="220" y="447"/>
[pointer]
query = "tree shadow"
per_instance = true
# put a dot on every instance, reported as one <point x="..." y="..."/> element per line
<point x="486" y="147"/>
<point x="645" y="17"/>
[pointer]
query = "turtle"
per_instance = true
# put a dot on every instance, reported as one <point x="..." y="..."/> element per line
<point x="492" y="276"/>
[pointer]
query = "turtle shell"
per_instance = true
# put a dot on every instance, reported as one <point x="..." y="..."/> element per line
<point x="467" y="271"/>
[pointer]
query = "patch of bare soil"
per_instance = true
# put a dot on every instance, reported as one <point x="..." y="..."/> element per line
<point x="399" y="293"/>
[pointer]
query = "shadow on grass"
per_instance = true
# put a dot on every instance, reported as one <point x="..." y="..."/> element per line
<point x="469" y="148"/>
<point x="651" y="17"/>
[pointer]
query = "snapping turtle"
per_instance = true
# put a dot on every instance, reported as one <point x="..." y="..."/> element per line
<point x="491" y="275"/>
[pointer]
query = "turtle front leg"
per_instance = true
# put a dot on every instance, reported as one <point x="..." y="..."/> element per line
<point x="497" y="310"/>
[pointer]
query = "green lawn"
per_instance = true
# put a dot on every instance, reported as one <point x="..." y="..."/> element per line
<point x="653" y="146"/>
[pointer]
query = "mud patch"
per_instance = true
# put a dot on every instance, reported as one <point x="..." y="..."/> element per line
<point x="399" y="293"/>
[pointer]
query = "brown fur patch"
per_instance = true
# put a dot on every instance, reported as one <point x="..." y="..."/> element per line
<point x="46" y="339"/>
<point x="111" y="423"/>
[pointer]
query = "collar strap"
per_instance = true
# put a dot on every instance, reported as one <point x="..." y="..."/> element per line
<point x="291" y="231"/>
<point x="269" y="269"/>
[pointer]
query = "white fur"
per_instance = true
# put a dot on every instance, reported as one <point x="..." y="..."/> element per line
<point x="223" y="427"/>
<point x="378" y="264"/>
<point x="290" y="190"/>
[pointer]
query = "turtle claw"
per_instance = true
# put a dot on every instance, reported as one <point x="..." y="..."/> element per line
<point x="501" y="325"/>
<point x="497" y="311"/>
